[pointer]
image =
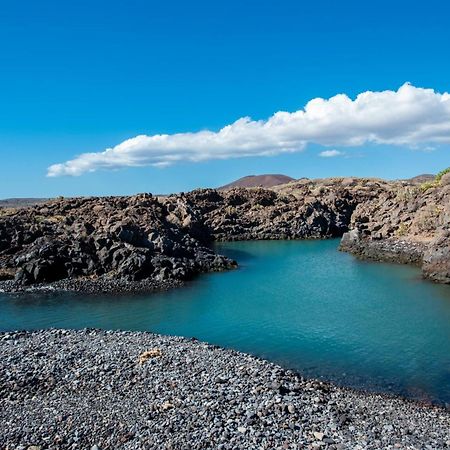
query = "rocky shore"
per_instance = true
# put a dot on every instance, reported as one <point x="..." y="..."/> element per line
<point x="144" y="242"/>
<point x="406" y="224"/>
<point x="104" y="244"/>
<point x="94" y="389"/>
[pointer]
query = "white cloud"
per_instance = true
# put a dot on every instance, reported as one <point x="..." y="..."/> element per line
<point x="330" y="153"/>
<point x="410" y="116"/>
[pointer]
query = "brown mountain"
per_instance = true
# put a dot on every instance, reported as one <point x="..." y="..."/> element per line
<point x="267" y="181"/>
<point x="423" y="178"/>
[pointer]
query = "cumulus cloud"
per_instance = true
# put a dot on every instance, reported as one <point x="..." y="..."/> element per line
<point x="330" y="153"/>
<point x="411" y="116"/>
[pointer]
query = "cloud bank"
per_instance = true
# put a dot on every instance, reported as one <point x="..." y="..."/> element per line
<point x="411" y="116"/>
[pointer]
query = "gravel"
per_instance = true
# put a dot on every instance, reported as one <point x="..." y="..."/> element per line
<point x="92" y="286"/>
<point x="99" y="390"/>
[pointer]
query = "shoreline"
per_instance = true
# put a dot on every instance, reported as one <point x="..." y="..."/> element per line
<point x="100" y="388"/>
<point x="394" y="251"/>
<point x="91" y="287"/>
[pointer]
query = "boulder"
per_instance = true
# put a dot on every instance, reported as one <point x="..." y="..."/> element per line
<point x="436" y="260"/>
<point x="445" y="179"/>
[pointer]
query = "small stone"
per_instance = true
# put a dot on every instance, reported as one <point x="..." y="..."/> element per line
<point x="152" y="353"/>
<point x="242" y="429"/>
<point x="275" y="385"/>
<point x="318" y="435"/>
<point x="291" y="409"/>
<point x="167" y="405"/>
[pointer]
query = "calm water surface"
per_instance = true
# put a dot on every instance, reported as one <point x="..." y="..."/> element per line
<point x="302" y="304"/>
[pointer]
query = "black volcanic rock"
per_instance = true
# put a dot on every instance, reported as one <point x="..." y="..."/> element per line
<point x="436" y="259"/>
<point x="405" y="223"/>
<point x="120" y="238"/>
<point x="299" y="210"/>
<point x="121" y="241"/>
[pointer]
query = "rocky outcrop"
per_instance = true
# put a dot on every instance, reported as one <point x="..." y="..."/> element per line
<point x="391" y="249"/>
<point x="305" y="209"/>
<point x="119" y="238"/>
<point x="152" y="242"/>
<point x="408" y="224"/>
<point x="143" y="240"/>
<point x="436" y="259"/>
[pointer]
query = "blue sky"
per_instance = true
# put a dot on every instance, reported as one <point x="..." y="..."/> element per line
<point x="83" y="76"/>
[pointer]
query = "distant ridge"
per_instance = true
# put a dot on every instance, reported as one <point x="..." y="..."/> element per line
<point x="423" y="178"/>
<point x="21" y="202"/>
<point x="267" y="180"/>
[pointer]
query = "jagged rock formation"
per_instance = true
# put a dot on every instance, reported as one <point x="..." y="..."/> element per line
<point x="405" y="223"/>
<point x="126" y="238"/>
<point x="299" y="210"/>
<point x="164" y="240"/>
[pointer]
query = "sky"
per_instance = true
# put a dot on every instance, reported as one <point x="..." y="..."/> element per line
<point x="119" y="97"/>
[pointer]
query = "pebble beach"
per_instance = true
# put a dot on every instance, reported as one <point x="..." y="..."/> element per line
<point x="93" y="389"/>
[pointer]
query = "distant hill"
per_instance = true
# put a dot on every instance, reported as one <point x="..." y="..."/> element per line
<point x="267" y="181"/>
<point x="21" y="202"/>
<point x="423" y="178"/>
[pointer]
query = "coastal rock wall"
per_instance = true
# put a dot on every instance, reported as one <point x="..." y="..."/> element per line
<point x="407" y="224"/>
<point x="436" y="259"/>
<point x="144" y="241"/>
<point x="299" y="210"/>
<point x="113" y="238"/>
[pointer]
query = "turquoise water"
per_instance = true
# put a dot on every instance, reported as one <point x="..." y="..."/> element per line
<point x="302" y="304"/>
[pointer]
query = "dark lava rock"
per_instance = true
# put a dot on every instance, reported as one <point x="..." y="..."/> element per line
<point x="124" y="239"/>
<point x="436" y="260"/>
<point x="406" y="224"/>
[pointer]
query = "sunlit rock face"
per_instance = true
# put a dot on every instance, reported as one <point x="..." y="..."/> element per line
<point x="163" y="239"/>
